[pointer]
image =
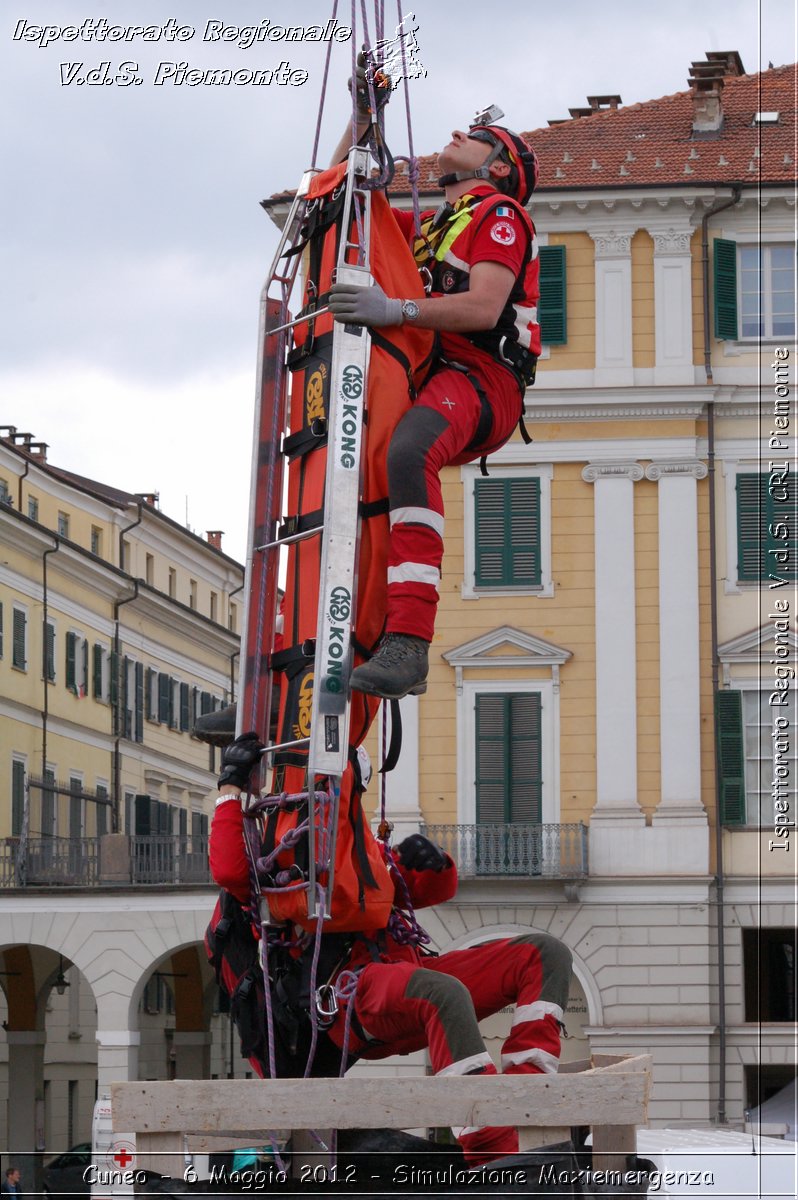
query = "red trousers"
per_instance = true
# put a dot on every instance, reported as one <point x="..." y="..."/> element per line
<point x="406" y="1006"/>
<point x="447" y="424"/>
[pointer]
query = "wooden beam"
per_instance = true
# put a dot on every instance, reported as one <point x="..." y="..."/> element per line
<point x="227" y="1106"/>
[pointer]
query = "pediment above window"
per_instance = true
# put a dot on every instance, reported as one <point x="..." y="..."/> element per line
<point x="507" y="647"/>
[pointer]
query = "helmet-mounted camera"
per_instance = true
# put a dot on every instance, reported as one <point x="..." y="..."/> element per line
<point x="488" y="116"/>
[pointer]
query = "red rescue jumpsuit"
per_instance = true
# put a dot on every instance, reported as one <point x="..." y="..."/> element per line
<point x="448" y="423"/>
<point x="408" y="1000"/>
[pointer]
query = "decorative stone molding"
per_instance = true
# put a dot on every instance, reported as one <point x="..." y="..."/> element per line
<point x="618" y="412"/>
<point x="671" y="241"/>
<point x="612" y="470"/>
<point x="664" y="470"/>
<point x="611" y="244"/>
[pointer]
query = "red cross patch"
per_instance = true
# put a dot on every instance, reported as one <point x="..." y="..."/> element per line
<point x="503" y="233"/>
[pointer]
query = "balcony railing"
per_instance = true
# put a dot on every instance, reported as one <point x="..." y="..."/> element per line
<point x="110" y="860"/>
<point x="521" y="851"/>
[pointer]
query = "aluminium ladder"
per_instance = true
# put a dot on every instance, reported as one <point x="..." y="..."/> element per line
<point x="328" y="741"/>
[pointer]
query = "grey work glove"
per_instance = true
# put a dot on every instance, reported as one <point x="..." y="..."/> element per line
<point x="380" y="82"/>
<point x="354" y="305"/>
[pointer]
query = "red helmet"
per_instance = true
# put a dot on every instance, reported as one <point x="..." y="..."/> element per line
<point x="519" y="156"/>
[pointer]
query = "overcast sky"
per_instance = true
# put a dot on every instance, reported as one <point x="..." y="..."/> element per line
<point x="134" y="247"/>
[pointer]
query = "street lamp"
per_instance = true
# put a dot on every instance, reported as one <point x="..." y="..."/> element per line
<point x="61" y="982"/>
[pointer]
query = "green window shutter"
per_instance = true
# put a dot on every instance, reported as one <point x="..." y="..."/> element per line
<point x="84" y="675"/>
<point x="206" y="703"/>
<point x="173" y="708"/>
<point x="138" y="720"/>
<point x="71" y="673"/>
<point x="102" y="810"/>
<point x="142" y="823"/>
<point x="128" y="696"/>
<point x="184" y="713"/>
<point x="725" y="288"/>
<point x="97" y="671"/>
<point x="507" y="522"/>
<point x="164" y="692"/>
<point x="49" y="651"/>
<point x="552" y="307"/>
<point x="17" y="796"/>
<point x="509" y="781"/>
<point x="730" y="756"/>
<point x="114" y="676"/>
<point x="19" y="639"/>
<point x="767" y="528"/>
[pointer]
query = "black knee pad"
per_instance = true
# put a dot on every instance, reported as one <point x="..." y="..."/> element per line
<point x="412" y="439"/>
<point x="556" y="962"/>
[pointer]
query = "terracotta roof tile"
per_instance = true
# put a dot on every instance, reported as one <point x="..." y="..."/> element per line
<point x="653" y="142"/>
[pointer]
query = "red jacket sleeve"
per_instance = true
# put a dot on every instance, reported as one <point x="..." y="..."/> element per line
<point x="228" y="857"/>
<point x="429" y="887"/>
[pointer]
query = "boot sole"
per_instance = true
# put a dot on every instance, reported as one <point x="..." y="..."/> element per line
<point x="417" y="690"/>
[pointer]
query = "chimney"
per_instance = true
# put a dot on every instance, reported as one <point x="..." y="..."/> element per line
<point x="706" y="81"/>
<point x="214" y="537"/>
<point x="38" y="450"/>
<point x="7" y="432"/>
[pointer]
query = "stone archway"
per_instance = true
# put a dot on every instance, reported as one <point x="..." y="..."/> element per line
<point x="50" y="1069"/>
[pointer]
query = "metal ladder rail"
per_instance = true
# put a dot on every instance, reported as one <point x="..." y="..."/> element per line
<point x="330" y="705"/>
<point x="266" y="486"/>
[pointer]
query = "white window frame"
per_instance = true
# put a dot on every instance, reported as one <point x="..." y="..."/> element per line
<point x="51" y="767"/>
<point x="466" y="742"/>
<point x="732" y="348"/>
<point x="82" y="663"/>
<point x="54" y="626"/>
<point x="469" y="474"/>
<point x="748" y="687"/>
<point x="105" y="673"/>
<point x="22" y="608"/>
<point x="732" y="584"/>
<point x="23" y="759"/>
<point x="76" y="777"/>
<point x="766" y="294"/>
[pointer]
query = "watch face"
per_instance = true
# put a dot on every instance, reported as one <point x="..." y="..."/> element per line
<point x="410" y="310"/>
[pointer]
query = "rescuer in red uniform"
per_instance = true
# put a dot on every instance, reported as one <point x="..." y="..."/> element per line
<point x="407" y="998"/>
<point x="478" y="255"/>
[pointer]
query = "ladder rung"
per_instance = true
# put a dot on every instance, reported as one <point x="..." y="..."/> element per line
<point x="285" y="746"/>
<point x="318" y="312"/>
<point x="294" y="537"/>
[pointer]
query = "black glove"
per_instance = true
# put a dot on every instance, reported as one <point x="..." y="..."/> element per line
<point x="380" y="83"/>
<point x="418" y="853"/>
<point x="239" y="759"/>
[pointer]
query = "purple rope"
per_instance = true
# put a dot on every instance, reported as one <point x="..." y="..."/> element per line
<point x="402" y="924"/>
<point x="314" y="1016"/>
<point x="412" y="162"/>
<point x="323" y="92"/>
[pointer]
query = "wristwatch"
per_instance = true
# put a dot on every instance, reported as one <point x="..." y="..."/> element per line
<point x="410" y="310"/>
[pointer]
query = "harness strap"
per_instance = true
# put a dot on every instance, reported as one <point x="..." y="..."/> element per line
<point x="295" y="657"/>
<point x="309" y="438"/>
<point x="395" y="744"/>
<point x="301" y="523"/>
<point x="485" y="422"/>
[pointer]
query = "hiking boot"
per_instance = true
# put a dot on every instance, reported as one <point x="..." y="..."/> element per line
<point x="399" y="668"/>
<point x="216" y="728"/>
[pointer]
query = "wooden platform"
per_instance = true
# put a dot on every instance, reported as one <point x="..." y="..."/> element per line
<point x="608" y="1093"/>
